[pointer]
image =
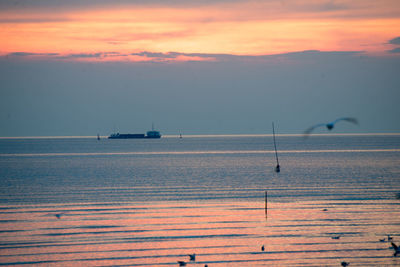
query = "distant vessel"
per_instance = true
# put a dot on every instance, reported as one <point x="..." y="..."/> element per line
<point x="149" y="134"/>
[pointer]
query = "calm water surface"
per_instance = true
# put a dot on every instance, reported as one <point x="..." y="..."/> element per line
<point x="83" y="202"/>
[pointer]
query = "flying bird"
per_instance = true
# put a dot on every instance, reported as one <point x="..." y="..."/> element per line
<point x="329" y="125"/>
<point x="396" y="249"/>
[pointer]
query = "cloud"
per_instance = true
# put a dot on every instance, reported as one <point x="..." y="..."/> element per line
<point x="155" y="55"/>
<point x="174" y="56"/>
<point x="99" y="56"/>
<point x="255" y="9"/>
<point x="159" y="57"/>
<point x="58" y="56"/>
<point x="233" y="27"/>
<point x="395" y="41"/>
<point x="319" y="6"/>
<point x="395" y="51"/>
<point x="32" y="20"/>
<point x="28" y="54"/>
<point x="90" y="4"/>
<point x="85" y="55"/>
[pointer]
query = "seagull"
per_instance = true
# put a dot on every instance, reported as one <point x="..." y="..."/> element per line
<point x="58" y="215"/>
<point x="344" y="264"/>
<point x="396" y="249"/>
<point x="329" y="125"/>
<point x="192" y="257"/>
<point x="182" y="263"/>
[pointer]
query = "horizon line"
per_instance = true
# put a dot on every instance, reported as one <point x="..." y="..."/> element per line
<point x="201" y="135"/>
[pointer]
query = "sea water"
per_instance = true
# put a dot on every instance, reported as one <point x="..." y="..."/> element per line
<point x="137" y="202"/>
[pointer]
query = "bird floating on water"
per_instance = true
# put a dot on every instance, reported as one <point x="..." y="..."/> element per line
<point x="192" y="257"/>
<point x="396" y="249"/>
<point x="329" y="125"/>
<point x="263" y="248"/>
<point x="58" y="215"/>
<point x="182" y="263"/>
<point x="344" y="264"/>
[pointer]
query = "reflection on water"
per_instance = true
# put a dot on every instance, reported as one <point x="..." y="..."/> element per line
<point x="220" y="234"/>
<point x="83" y="202"/>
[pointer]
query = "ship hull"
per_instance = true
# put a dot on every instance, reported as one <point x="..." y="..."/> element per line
<point x="149" y="135"/>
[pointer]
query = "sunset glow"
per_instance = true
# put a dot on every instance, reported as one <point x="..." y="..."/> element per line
<point x="238" y="28"/>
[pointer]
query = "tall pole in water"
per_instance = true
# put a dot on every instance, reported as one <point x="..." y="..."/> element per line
<point x="266" y="204"/>
<point x="277" y="168"/>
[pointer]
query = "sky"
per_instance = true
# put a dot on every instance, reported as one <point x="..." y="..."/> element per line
<point x="197" y="67"/>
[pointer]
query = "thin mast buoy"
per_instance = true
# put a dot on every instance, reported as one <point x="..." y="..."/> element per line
<point x="266" y="204"/>
<point x="277" y="168"/>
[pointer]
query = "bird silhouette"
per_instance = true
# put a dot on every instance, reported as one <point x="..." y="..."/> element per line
<point x="344" y="264"/>
<point x="192" y="257"/>
<point x="58" y="215"/>
<point x="329" y="125"/>
<point x="263" y="248"/>
<point x="396" y="249"/>
<point x="182" y="263"/>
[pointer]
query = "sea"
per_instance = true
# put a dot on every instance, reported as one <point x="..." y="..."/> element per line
<point x="200" y="201"/>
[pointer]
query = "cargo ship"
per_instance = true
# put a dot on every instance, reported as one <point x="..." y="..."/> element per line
<point x="149" y="134"/>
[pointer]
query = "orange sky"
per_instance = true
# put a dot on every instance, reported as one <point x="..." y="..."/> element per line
<point x="228" y="27"/>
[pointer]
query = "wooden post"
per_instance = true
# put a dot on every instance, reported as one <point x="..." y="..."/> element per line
<point x="266" y="204"/>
